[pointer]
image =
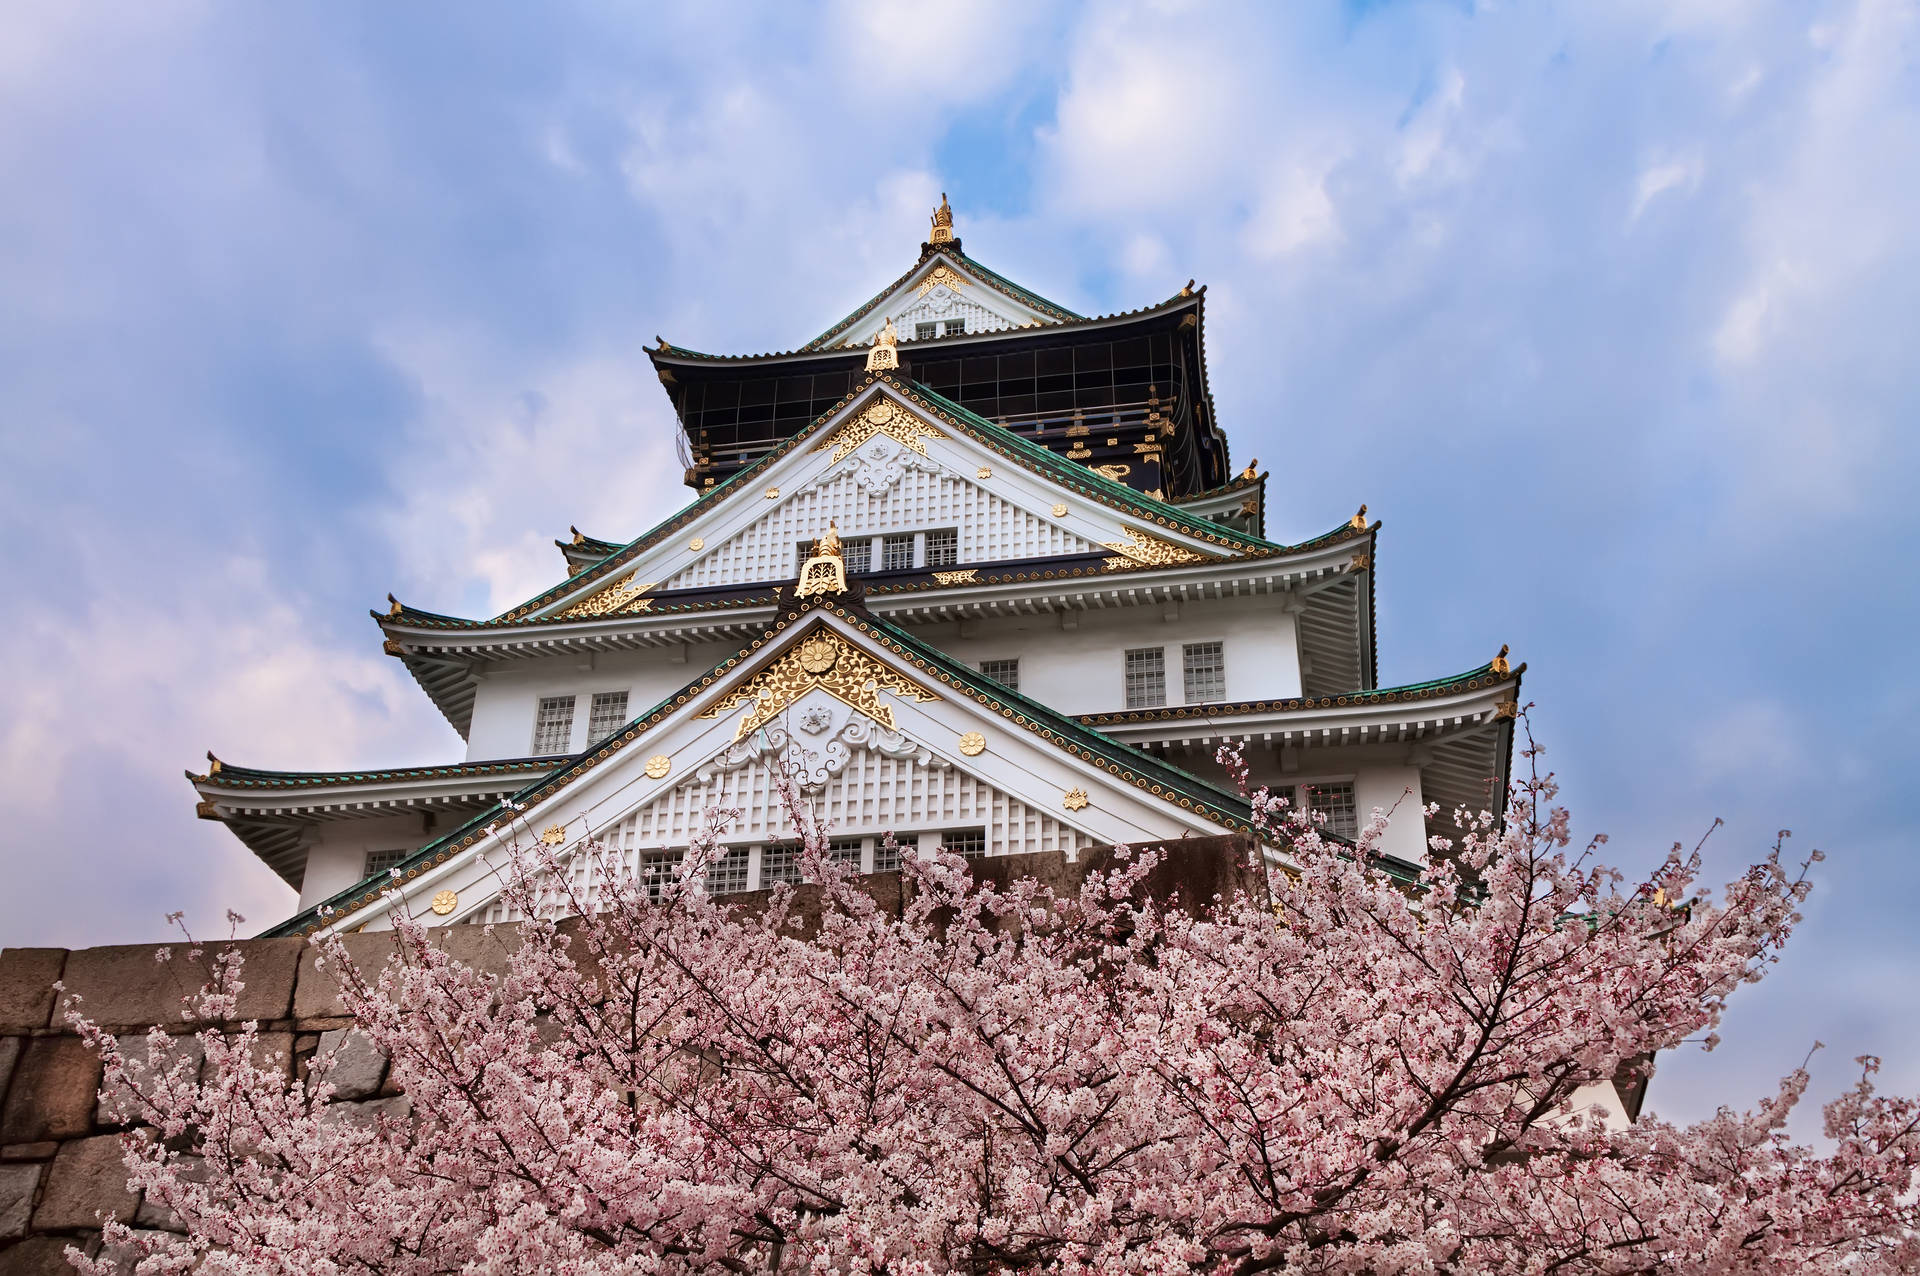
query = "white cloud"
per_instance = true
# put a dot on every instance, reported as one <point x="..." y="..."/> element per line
<point x="1661" y="176"/>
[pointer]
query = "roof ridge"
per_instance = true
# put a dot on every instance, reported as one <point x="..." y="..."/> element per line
<point x="1467" y="681"/>
<point x="231" y="771"/>
<point x="992" y="278"/>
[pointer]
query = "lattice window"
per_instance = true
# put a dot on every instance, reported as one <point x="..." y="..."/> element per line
<point x="381" y="861"/>
<point x="779" y="862"/>
<point x="1203" y="669"/>
<point x="943" y="547"/>
<point x="955" y="328"/>
<point x="925" y="331"/>
<point x="1004" y="672"/>
<point x="846" y="850"/>
<point x="886" y="855"/>
<point x="658" y="869"/>
<point x="553" y="725"/>
<point x="1335" y="802"/>
<point x="606" y="715"/>
<point x="896" y="553"/>
<point x="1146" y="677"/>
<point x="972" y="843"/>
<point x="727" y="875"/>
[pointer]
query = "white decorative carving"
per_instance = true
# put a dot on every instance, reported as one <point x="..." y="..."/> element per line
<point x="879" y="465"/>
<point x="812" y="765"/>
<point x="816" y="719"/>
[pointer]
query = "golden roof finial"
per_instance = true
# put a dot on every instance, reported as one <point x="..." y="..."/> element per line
<point x="1252" y="470"/>
<point x="578" y="539"/>
<point x="885" y="353"/>
<point x="1359" y="521"/>
<point x="1500" y="664"/>
<point x="826" y="571"/>
<point x="213" y="767"/>
<point x="393" y="605"/>
<point x="942" y="232"/>
<point x="1187" y="289"/>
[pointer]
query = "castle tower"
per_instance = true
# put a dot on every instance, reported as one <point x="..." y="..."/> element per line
<point x="975" y="569"/>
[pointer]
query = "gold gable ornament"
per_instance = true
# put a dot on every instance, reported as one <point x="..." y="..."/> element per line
<point x="942" y="232"/>
<point x="827" y="662"/>
<point x="826" y="571"/>
<point x="1501" y="666"/>
<point x="885" y="354"/>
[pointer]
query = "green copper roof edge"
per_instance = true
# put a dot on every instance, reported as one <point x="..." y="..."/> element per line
<point x="1070" y="472"/>
<point x="1302" y="704"/>
<point x="262" y="778"/>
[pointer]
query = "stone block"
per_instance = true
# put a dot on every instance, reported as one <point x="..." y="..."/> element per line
<point x="10" y="1048"/>
<point x="42" y="1256"/>
<point x="29" y="1151"/>
<point x="127" y="987"/>
<point x="52" y="1094"/>
<point x="273" y="1051"/>
<point x="317" y="992"/>
<point x="17" y="1184"/>
<point x="27" y="976"/>
<point x="124" y="1260"/>
<point x="358" y="1065"/>
<point x="88" y="1177"/>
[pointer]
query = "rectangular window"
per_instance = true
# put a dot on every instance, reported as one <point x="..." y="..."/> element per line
<point x="971" y="843"/>
<point x="553" y="726"/>
<point x="955" y="328"/>
<point x="856" y="554"/>
<point x="1004" y="672"/>
<point x="1146" y="677"/>
<point x="846" y="850"/>
<point x="379" y="862"/>
<point x="727" y="875"/>
<point x="886" y="855"/>
<point x="1203" y="668"/>
<point x="779" y="862"/>
<point x="658" y="869"/>
<point x="925" y="331"/>
<point x="1335" y="802"/>
<point x="896" y="553"/>
<point x="606" y="715"/>
<point x="943" y="547"/>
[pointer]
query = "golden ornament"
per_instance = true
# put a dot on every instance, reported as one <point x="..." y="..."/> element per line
<point x="973" y="744"/>
<point x="658" y="765"/>
<point x="1075" y="799"/>
<point x="553" y="835"/>
<point x="445" y="902"/>
<point x="696" y="544"/>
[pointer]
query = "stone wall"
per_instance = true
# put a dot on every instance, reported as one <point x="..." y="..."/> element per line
<point x="60" y="1157"/>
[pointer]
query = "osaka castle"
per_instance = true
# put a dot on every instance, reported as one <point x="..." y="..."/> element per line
<point x="977" y="571"/>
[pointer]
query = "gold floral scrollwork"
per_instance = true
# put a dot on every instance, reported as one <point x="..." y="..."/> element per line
<point x="445" y="902"/>
<point x="827" y="662"/>
<point x="962" y="577"/>
<point x="1114" y="472"/>
<point x="658" y="765"/>
<point x="1142" y="550"/>
<point x="624" y="596"/>
<point x="553" y="835"/>
<point x="882" y="416"/>
<point x="973" y="744"/>
<point x="942" y="274"/>
<point x="1079" y="452"/>
<point x="1075" y="800"/>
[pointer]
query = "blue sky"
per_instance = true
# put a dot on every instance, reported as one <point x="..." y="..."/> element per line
<point x="1606" y="310"/>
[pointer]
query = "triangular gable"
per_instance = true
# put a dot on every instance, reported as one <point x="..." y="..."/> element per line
<point x="944" y="288"/>
<point x="893" y="457"/>
<point x="877" y="722"/>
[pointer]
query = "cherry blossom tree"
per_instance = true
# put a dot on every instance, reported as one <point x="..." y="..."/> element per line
<point x="1338" y="1073"/>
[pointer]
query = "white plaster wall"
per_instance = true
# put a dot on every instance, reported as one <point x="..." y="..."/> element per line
<point x="338" y="857"/>
<point x="1386" y="788"/>
<point x="1083" y="669"/>
<point x="506" y="700"/>
<point x="1381" y="779"/>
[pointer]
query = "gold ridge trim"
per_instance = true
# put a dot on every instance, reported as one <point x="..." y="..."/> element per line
<point x="623" y="597"/>
<point x="1142" y="550"/>
<point x="942" y="274"/>
<point x="882" y="416"/>
<point x="962" y="577"/>
<point x="825" y="661"/>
